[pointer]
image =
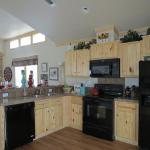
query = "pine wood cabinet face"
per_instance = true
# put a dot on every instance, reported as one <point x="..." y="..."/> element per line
<point x="2" y="136"/>
<point x="77" y="113"/>
<point x="126" y="122"/>
<point x="77" y="63"/>
<point x="39" y="122"/>
<point x="145" y="46"/>
<point x="53" y="117"/>
<point x="105" y="50"/>
<point x="83" y="58"/>
<point x="68" y="63"/>
<point x="48" y="116"/>
<point x="130" y="55"/>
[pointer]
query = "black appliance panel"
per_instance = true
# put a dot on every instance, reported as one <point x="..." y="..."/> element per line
<point x="98" y="111"/>
<point x="105" y="68"/>
<point x="144" y="105"/>
<point x="20" y="125"/>
<point x="144" y="122"/>
<point x="144" y="75"/>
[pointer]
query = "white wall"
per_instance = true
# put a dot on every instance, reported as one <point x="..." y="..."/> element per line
<point x="1" y="46"/>
<point x="46" y="51"/>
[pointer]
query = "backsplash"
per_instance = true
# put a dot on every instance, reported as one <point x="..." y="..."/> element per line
<point x="78" y="80"/>
<point x="131" y="81"/>
<point x="125" y="81"/>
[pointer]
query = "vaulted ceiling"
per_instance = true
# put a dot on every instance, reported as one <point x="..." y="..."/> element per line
<point x="11" y="26"/>
<point x="67" y="21"/>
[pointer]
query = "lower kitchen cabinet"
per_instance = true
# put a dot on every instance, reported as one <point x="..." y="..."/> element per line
<point x="48" y="116"/>
<point x="2" y="135"/>
<point x="39" y="120"/>
<point x="126" y="121"/>
<point x="76" y="113"/>
<point x="53" y="116"/>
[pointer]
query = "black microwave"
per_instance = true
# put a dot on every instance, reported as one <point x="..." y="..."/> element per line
<point x="105" y="68"/>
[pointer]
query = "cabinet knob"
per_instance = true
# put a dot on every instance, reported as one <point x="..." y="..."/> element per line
<point x="126" y="121"/>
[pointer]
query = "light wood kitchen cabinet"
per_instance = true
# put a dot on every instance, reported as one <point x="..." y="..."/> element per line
<point x="54" y="116"/>
<point x="68" y="63"/>
<point x="105" y="50"/>
<point x="2" y="134"/>
<point x="39" y="120"/>
<point x="48" y="116"/>
<point x="145" y="46"/>
<point x="77" y="63"/>
<point x="130" y="55"/>
<point x="83" y="59"/>
<point x="76" y="113"/>
<point x="126" y="121"/>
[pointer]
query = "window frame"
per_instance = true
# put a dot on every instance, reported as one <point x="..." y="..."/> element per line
<point x="24" y="38"/>
<point x="13" y="41"/>
<point x="39" y="41"/>
<point x="25" y="68"/>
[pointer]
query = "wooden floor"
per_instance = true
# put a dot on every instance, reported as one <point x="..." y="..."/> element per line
<point x="71" y="139"/>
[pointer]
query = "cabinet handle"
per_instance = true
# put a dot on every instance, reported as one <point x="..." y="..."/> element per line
<point x="126" y="121"/>
<point x="130" y="69"/>
<point x="46" y="129"/>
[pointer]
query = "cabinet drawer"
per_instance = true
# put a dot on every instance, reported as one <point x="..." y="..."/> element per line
<point x="127" y="105"/>
<point x="77" y="100"/>
<point x="41" y="105"/>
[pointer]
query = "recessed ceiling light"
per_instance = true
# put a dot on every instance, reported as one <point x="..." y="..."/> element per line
<point x="51" y="2"/>
<point x="85" y="10"/>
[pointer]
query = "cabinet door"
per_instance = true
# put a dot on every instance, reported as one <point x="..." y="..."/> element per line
<point x="110" y="50"/>
<point x="126" y="122"/>
<point x="131" y="124"/>
<point x="49" y="119"/>
<point x="96" y="51"/>
<point x="68" y="63"/>
<point x="77" y="116"/>
<point x="120" y="123"/>
<point x="145" y="46"/>
<point x="53" y="117"/>
<point x="105" y="50"/>
<point x="39" y="122"/>
<point x="130" y="57"/>
<point x="74" y="63"/>
<point x="2" y="137"/>
<point x="83" y="59"/>
<point x="59" y="115"/>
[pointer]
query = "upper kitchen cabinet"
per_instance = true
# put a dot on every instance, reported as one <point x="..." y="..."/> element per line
<point x="145" y="46"/>
<point x="68" y="63"/>
<point x="130" y="55"/>
<point x="77" y="63"/>
<point x="105" y="50"/>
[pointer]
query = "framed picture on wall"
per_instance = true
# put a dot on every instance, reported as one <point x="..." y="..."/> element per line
<point x="44" y="67"/>
<point x="44" y="77"/>
<point x="53" y="73"/>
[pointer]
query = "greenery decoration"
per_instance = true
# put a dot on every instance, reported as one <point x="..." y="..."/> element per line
<point x="131" y="36"/>
<point x="84" y="45"/>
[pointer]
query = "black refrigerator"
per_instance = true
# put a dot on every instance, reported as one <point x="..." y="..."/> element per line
<point x="144" y="105"/>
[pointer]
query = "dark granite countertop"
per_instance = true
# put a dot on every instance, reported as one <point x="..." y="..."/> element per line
<point x="21" y="100"/>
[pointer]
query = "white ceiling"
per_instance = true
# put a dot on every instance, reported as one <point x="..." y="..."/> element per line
<point x="10" y="26"/>
<point x="66" y="21"/>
